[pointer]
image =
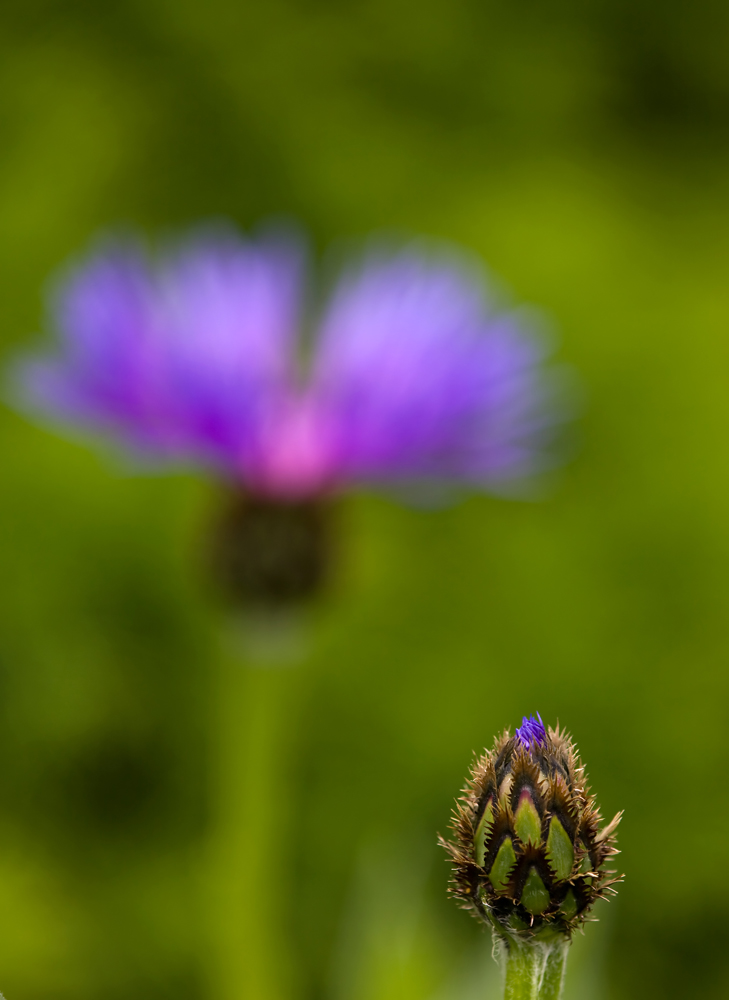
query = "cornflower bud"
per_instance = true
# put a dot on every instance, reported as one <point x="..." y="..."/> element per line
<point x="529" y="853"/>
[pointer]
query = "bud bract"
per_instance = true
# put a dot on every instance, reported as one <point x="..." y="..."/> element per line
<point x="270" y="554"/>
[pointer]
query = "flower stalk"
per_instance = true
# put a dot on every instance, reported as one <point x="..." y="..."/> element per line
<point x="533" y="970"/>
<point x="246" y="860"/>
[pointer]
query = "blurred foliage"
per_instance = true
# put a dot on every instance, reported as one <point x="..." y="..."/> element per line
<point x="582" y="149"/>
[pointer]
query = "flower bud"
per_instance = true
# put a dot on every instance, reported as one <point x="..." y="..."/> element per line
<point x="529" y="849"/>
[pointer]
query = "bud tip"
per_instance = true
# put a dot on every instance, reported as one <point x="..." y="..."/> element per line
<point x="532" y="731"/>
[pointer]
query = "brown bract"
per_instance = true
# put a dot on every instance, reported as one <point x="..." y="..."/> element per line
<point x="270" y="554"/>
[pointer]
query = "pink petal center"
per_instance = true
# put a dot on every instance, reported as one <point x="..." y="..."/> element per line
<point x="294" y="457"/>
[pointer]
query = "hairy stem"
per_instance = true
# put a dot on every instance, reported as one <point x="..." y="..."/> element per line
<point x="554" y="970"/>
<point x="534" y="970"/>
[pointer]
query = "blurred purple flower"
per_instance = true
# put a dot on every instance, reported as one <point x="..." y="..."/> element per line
<point x="201" y="358"/>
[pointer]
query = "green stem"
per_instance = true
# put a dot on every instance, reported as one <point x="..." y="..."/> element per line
<point x="534" y="970"/>
<point x="554" y="970"/>
<point x="250" y="827"/>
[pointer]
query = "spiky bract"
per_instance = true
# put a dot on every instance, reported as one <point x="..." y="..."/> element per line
<point x="529" y="849"/>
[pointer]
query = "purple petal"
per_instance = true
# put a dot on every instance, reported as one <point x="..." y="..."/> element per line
<point x="185" y="360"/>
<point x="531" y="731"/>
<point x="231" y="317"/>
<point x="420" y="381"/>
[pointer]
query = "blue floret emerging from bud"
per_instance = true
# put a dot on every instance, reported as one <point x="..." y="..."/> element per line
<point x="532" y="731"/>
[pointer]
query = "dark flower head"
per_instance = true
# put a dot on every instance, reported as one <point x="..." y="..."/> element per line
<point x="531" y="731"/>
<point x="529" y="848"/>
<point x="412" y="375"/>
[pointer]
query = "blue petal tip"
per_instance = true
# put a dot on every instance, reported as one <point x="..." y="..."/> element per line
<point x="532" y="730"/>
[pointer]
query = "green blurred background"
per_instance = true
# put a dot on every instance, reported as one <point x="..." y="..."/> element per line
<point x="583" y="150"/>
